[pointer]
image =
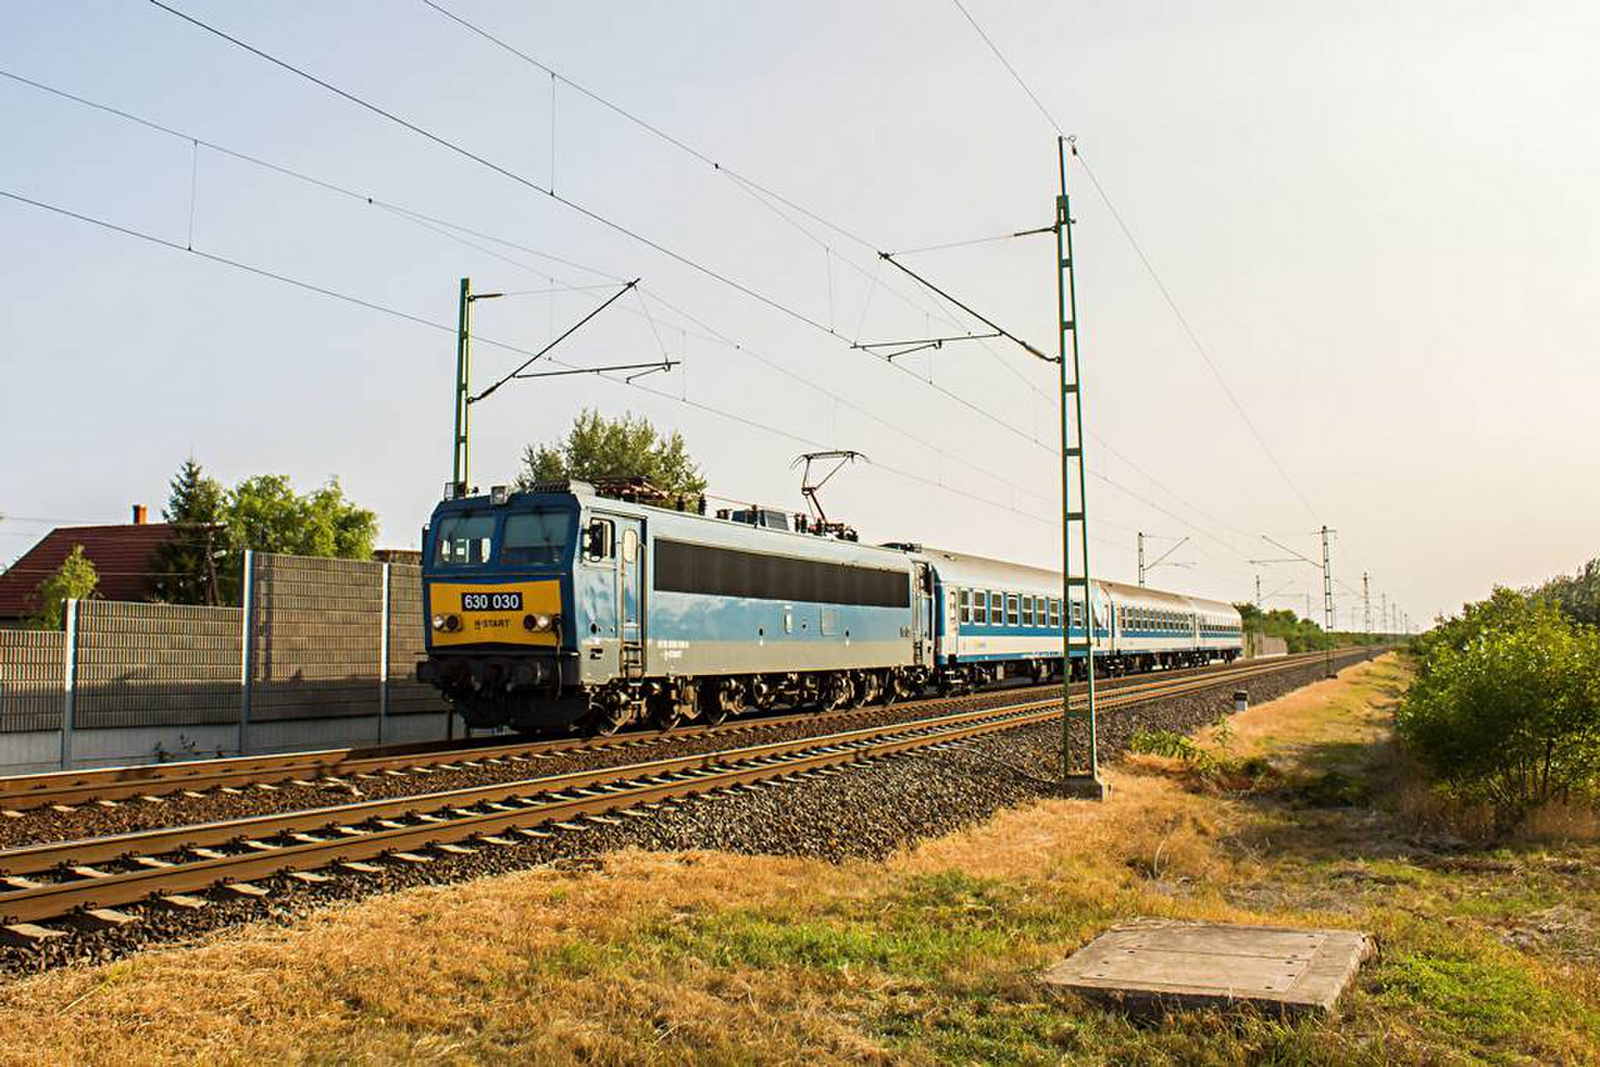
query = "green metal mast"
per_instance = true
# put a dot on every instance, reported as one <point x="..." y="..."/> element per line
<point x="460" y="444"/>
<point x="1081" y="778"/>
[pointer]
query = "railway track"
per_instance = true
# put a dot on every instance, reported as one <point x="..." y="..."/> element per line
<point x="83" y="882"/>
<point x="64" y="789"/>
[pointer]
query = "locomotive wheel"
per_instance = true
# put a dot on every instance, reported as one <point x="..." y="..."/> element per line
<point x="608" y="716"/>
<point x="855" y="684"/>
<point x="717" y="701"/>
<point x="607" y="722"/>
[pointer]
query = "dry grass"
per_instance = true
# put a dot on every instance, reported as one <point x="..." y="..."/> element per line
<point x="928" y="957"/>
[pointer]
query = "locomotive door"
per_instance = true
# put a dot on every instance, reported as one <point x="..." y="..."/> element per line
<point x="630" y="594"/>
<point x="922" y="613"/>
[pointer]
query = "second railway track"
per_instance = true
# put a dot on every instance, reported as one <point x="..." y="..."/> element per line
<point x="82" y="880"/>
<point x="65" y="789"/>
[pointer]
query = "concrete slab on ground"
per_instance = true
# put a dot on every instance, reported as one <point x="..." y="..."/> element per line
<point x="1166" y="963"/>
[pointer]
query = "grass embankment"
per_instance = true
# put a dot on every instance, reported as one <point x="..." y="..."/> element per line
<point x="929" y="957"/>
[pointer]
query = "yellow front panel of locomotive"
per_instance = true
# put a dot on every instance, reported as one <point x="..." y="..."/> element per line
<point x="493" y="626"/>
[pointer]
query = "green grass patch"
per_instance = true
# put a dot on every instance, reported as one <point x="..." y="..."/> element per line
<point x="1494" y="1004"/>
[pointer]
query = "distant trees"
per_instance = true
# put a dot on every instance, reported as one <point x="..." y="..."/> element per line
<point x="1300" y="635"/>
<point x="627" y="447"/>
<point x="1577" y="595"/>
<point x="75" y="579"/>
<point x="202" y="563"/>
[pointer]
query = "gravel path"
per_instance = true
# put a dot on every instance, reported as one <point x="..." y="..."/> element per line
<point x="867" y="812"/>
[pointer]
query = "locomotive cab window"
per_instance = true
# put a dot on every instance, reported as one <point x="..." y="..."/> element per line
<point x="536" y="537"/>
<point x="464" y="540"/>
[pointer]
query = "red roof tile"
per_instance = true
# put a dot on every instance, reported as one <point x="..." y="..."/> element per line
<point x="123" y="555"/>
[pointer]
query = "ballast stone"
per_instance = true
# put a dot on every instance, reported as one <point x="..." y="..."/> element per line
<point x="1165" y="963"/>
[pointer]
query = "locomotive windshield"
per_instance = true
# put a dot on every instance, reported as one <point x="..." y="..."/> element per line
<point x="529" y="537"/>
<point x="464" y="540"/>
<point x="535" y="537"/>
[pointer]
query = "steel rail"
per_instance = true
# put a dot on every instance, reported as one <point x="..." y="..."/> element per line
<point x="510" y="805"/>
<point x="102" y="890"/>
<point x="65" y="788"/>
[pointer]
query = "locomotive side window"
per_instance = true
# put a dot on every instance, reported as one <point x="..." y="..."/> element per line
<point x="464" y="540"/>
<point x="707" y="570"/>
<point x="600" y="540"/>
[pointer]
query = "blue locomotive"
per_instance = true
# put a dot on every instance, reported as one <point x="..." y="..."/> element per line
<point x="562" y="608"/>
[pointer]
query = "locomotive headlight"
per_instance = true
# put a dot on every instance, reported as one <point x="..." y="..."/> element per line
<point x="438" y="622"/>
<point x="538" y="623"/>
<point x="452" y="623"/>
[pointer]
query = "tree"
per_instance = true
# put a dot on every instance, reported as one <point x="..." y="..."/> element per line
<point x="75" y="579"/>
<point x="202" y="562"/>
<point x="1507" y="705"/>
<point x="187" y="564"/>
<point x="1577" y="595"/>
<point x="264" y="514"/>
<point x="1506" y="609"/>
<point x="628" y="447"/>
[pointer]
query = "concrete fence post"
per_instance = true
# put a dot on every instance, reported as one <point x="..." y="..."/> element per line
<point x="383" y="657"/>
<point x="69" y="683"/>
<point x="247" y="590"/>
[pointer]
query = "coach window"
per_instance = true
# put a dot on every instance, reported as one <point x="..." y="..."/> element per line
<point x="997" y="609"/>
<point x="966" y="605"/>
<point x="1055" y="612"/>
<point x="1011" y="610"/>
<point x="1027" y="611"/>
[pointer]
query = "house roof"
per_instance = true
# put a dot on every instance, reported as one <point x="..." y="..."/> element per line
<point x="122" y="555"/>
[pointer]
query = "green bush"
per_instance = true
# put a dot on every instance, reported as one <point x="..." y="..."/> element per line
<point x="1506" y="705"/>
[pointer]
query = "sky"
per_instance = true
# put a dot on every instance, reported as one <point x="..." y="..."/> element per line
<point x="1357" y="291"/>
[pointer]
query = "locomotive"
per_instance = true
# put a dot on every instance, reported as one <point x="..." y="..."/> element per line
<point x="561" y="608"/>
